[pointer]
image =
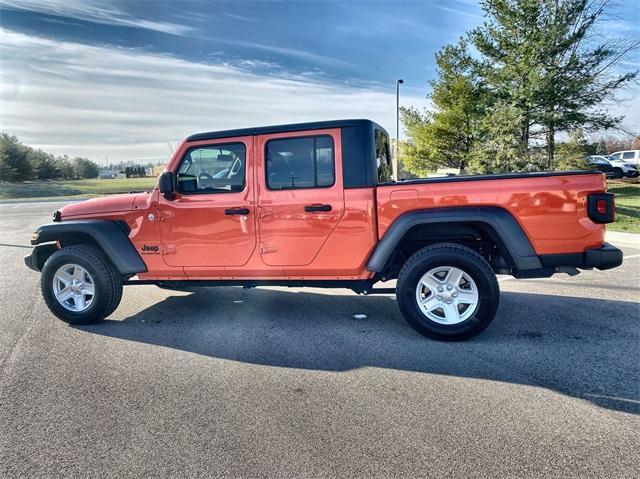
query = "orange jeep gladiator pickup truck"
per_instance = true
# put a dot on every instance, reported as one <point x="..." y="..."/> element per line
<point x="314" y="204"/>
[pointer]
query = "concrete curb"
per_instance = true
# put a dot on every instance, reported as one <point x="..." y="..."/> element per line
<point x="617" y="238"/>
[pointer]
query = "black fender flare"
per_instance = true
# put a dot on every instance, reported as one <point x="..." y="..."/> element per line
<point x="500" y="221"/>
<point x="110" y="236"/>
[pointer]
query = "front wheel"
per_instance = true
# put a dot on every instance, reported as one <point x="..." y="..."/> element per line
<point x="617" y="173"/>
<point x="448" y="292"/>
<point x="80" y="285"/>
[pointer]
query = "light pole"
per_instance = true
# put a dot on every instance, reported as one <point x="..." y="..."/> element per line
<point x="399" y="82"/>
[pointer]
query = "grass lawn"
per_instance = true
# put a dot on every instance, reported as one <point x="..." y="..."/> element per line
<point x="61" y="189"/>
<point x="627" y="206"/>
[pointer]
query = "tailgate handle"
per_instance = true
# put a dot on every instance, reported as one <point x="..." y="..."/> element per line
<point x="314" y="208"/>
<point x="237" y="211"/>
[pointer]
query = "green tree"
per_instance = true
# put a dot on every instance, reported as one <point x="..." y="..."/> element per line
<point x="508" y="44"/>
<point x="502" y="150"/>
<point x="85" y="168"/>
<point x="65" y="168"/>
<point x="14" y="165"/>
<point x="571" y="155"/>
<point x="43" y="164"/>
<point x="447" y="135"/>
<point x="545" y="58"/>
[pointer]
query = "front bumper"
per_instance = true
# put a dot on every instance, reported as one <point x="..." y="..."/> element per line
<point x="39" y="255"/>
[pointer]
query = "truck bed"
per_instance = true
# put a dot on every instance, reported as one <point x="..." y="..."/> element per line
<point x="551" y="207"/>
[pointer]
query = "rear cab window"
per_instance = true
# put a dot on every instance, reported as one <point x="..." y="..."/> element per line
<point x="218" y="168"/>
<point x="383" y="157"/>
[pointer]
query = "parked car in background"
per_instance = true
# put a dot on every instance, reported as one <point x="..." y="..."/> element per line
<point x="621" y="168"/>
<point x="628" y="156"/>
<point x="602" y="164"/>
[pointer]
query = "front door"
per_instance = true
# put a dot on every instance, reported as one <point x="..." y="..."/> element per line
<point x="211" y="221"/>
<point x="300" y="195"/>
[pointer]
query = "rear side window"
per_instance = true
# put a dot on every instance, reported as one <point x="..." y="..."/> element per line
<point x="294" y="163"/>
<point x="383" y="157"/>
<point x="213" y="169"/>
<point x="628" y="155"/>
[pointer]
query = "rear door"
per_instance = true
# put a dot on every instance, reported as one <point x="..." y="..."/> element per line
<point x="300" y="194"/>
<point x="211" y="222"/>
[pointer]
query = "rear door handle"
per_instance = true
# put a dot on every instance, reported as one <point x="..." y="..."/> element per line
<point x="313" y="208"/>
<point x="237" y="211"/>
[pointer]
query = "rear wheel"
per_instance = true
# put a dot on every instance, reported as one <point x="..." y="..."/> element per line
<point x="80" y="285"/>
<point x="448" y="292"/>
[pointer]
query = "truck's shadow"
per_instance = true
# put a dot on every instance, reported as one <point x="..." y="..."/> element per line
<point x="586" y="348"/>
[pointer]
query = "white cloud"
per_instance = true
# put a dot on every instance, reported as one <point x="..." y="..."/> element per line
<point x="97" y="11"/>
<point x="242" y="18"/>
<point x="123" y="104"/>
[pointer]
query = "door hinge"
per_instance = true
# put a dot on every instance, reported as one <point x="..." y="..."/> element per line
<point x="164" y="215"/>
<point x="267" y="248"/>
<point x="169" y="249"/>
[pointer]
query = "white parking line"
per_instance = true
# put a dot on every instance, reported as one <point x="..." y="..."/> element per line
<point x="632" y="256"/>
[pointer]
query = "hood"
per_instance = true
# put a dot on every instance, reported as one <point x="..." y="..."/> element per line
<point x="106" y="204"/>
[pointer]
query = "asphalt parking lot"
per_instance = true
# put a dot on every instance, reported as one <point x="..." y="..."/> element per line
<point x="276" y="382"/>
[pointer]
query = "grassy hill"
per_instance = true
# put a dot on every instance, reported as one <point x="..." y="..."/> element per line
<point x="72" y="189"/>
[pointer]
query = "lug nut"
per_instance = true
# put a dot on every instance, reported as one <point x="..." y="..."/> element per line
<point x="440" y="288"/>
<point x="448" y="288"/>
<point x="455" y="295"/>
<point x="449" y="302"/>
<point x="439" y="298"/>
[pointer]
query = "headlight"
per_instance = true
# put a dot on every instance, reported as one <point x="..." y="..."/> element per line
<point x="629" y="165"/>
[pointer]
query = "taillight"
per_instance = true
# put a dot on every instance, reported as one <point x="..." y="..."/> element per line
<point x="601" y="207"/>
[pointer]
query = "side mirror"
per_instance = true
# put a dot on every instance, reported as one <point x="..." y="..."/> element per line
<point x="167" y="184"/>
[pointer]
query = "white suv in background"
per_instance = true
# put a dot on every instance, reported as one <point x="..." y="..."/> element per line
<point x="627" y="156"/>
<point x="621" y="168"/>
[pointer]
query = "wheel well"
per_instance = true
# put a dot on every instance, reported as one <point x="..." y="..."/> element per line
<point x="78" y="238"/>
<point x="47" y="249"/>
<point x="475" y="235"/>
<point x="75" y="238"/>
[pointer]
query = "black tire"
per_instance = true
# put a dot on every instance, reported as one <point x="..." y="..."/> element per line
<point x="106" y="280"/>
<point x="471" y="263"/>
<point x="618" y="173"/>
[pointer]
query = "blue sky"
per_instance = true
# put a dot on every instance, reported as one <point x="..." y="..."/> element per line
<point x="121" y="80"/>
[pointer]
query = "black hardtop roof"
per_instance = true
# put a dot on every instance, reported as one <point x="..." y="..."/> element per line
<point x="263" y="130"/>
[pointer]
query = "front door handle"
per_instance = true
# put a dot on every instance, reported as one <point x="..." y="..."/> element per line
<point x="313" y="208"/>
<point x="236" y="211"/>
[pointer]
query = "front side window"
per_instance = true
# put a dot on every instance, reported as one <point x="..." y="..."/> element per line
<point x="213" y="169"/>
<point x="294" y="163"/>
<point x="383" y="157"/>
